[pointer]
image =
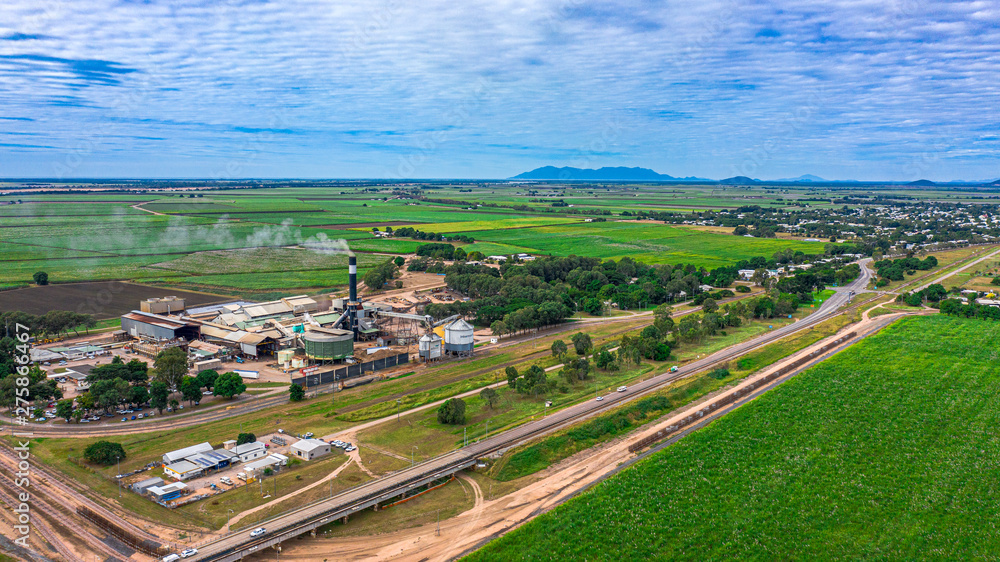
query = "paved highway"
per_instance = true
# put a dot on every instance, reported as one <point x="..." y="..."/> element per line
<point x="299" y="521"/>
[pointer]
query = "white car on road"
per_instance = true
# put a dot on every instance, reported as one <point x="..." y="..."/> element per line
<point x="258" y="532"/>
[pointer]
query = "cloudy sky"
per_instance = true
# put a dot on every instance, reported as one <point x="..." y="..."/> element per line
<point x="872" y="89"/>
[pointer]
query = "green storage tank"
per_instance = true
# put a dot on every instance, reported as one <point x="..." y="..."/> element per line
<point x="328" y="344"/>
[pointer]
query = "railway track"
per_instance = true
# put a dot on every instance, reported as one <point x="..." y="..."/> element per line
<point x="40" y="503"/>
<point x="69" y="496"/>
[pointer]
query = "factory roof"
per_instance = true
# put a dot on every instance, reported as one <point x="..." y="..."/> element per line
<point x="154" y="319"/>
<point x="248" y="447"/>
<point x="262" y="463"/>
<point x="187" y="452"/>
<point x="182" y="467"/>
<point x="267" y="309"/>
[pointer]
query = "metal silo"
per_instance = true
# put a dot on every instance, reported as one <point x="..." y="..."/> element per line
<point x="458" y="337"/>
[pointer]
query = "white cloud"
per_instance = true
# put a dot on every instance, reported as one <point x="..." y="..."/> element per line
<point x="486" y="89"/>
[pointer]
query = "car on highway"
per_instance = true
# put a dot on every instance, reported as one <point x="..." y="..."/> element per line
<point x="673" y="369"/>
<point x="600" y="398"/>
<point x="258" y="532"/>
<point x="622" y="388"/>
<point x="170" y="558"/>
<point x="189" y="552"/>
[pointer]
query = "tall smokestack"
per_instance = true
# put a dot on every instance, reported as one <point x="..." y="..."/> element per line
<point x="352" y="267"/>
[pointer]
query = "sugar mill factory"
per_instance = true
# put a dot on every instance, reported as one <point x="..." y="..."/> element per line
<point x="316" y="340"/>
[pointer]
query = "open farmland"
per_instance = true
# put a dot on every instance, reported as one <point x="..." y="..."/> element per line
<point x="643" y="241"/>
<point x="236" y="241"/>
<point x="885" y="451"/>
<point x="107" y="299"/>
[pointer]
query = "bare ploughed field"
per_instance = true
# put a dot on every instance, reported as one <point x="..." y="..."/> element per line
<point x="104" y="299"/>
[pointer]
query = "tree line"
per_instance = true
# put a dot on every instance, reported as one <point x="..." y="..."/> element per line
<point x="54" y="322"/>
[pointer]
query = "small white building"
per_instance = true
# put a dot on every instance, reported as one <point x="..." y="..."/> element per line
<point x="250" y="451"/>
<point x="309" y="449"/>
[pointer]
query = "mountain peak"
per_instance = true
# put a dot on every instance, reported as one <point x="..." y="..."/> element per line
<point x="617" y="173"/>
<point x="739" y="180"/>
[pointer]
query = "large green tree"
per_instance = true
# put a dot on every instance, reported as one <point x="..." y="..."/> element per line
<point x="171" y="366"/>
<point x="229" y="385"/>
<point x="559" y="348"/>
<point x="452" y="412"/>
<point x="104" y="452"/>
<point x="158" y="394"/>
<point x="296" y="393"/>
<point x="191" y="389"/>
<point x="582" y="343"/>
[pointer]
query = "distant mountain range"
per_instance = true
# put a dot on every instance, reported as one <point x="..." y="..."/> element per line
<point x="622" y="173"/>
<point x="619" y="173"/>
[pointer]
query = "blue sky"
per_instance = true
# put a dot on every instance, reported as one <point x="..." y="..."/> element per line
<point x="879" y="90"/>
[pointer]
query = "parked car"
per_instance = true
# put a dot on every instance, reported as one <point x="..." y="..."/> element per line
<point x="133" y="417"/>
<point x="281" y="431"/>
<point x="139" y="416"/>
<point x="207" y="393"/>
<point x="189" y="552"/>
<point x="124" y="419"/>
<point x="349" y="448"/>
<point x="309" y="435"/>
<point x="258" y="532"/>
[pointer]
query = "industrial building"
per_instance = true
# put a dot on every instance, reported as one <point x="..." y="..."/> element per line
<point x="309" y="449"/>
<point x="164" y="305"/>
<point x="181" y="454"/>
<point x="168" y="492"/>
<point x="143" y="324"/>
<point x="141" y="487"/>
<point x="250" y="451"/>
<point x="182" y="470"/>
<point x="273" y="461"/>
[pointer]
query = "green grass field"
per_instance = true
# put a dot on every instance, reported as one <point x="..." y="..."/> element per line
<point x="882" y="452"/>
